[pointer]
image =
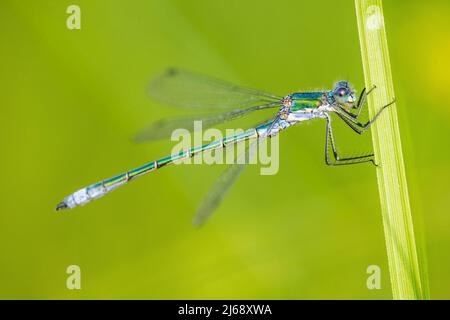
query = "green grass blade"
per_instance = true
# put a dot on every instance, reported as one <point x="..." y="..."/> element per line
<point x="404" y="267"/>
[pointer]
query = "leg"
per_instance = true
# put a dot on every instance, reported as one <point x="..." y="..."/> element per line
<point x="357" y="126"/>
<point x="362" y="100"/>
<point x="338" y="160"/>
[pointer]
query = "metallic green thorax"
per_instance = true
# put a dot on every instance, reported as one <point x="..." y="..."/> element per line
<point x="307" y="100"/>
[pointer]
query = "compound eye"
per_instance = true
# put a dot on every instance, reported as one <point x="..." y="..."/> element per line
<point x="342" y="92"/>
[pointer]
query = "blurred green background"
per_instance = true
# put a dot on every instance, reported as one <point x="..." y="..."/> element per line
<point x="72" y="99"/>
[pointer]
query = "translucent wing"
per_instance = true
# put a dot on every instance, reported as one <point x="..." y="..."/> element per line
<point x="222" y="185"/>
<point x="190" y="90"/>
<point x="164" y="128"/>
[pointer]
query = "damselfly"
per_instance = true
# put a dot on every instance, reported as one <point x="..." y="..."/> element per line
<point x="185" y="89"/>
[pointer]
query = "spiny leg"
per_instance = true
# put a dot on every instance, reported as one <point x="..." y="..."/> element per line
<point x="357" y="126"/>
<point x="329" y="139"/>
<point x="362" y="100"/>
<point x="349" y="123"/>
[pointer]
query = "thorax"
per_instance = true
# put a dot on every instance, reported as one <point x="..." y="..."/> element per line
<point x="302" y="106"/>
<point x="307" y="100"/>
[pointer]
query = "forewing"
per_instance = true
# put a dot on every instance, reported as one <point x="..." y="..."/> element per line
<point x="185" y="89"/>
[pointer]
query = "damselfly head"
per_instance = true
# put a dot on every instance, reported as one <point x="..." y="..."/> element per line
<point x="344" y="94"/>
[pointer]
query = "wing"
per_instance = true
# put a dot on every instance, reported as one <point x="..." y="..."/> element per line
<point x="190" y="90"/>
<point x="164" y="128"/>
<point x="222" y="185"/>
